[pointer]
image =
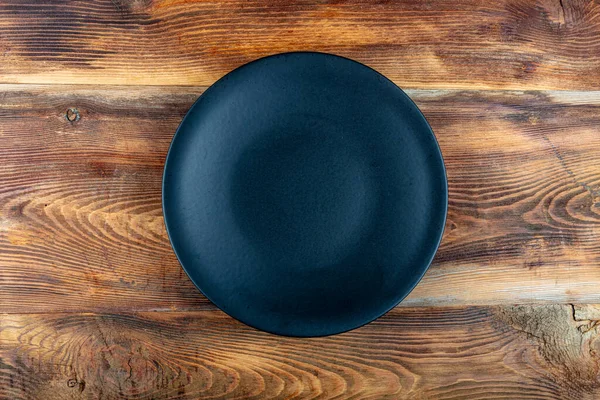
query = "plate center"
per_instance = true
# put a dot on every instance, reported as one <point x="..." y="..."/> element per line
<point x="305" y="195"/>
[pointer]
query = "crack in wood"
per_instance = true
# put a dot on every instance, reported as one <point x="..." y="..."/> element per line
<point x="562" y="15"/>
<point x="592" y="192"/>
<point x="564" y="347"/>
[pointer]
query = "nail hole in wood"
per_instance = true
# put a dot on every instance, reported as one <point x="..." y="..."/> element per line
<point x="72" y="115"/>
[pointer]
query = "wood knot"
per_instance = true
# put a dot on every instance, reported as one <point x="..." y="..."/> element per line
<point x="529" y="66"/>
<point x="72" y="115"/>
<point x="72" y="383"/>
<point x="125" y="7"/>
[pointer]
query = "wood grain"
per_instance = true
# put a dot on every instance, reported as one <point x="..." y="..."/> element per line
<point x="471" y="44"/>
<point x="81" y="225"/>
<point x="93" y="304"/>
<point x="524" y="352"/>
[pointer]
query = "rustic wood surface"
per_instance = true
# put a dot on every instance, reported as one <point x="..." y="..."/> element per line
<point x="518" y="44"/>
<point x="82" y="226"/>
<point x="519" y="352"/>
<point x="93" y="304"/>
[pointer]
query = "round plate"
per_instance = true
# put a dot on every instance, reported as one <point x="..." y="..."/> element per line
<point x="304" y="194"/>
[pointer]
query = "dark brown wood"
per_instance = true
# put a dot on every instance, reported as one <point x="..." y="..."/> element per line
<point x="81" y="224"/>
<point x="512" y="352"/>
<point x="471" y="44"/>
<point x="93" y="304"/>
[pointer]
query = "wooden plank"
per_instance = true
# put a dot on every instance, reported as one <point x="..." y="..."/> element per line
<point x="81" y="225"/>
<point x="471" y="44"/>
<point x="524" y="352"/>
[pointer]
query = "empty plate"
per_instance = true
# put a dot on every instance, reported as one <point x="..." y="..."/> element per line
<point x="304" y="194"/>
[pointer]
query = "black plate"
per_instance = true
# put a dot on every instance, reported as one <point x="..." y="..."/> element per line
<point x="304" y="194"/>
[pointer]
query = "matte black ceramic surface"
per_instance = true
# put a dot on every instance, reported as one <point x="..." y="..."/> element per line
<point x="304" y="194"/>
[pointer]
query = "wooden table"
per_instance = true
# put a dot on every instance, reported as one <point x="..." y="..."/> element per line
<point x="93" y="303"/>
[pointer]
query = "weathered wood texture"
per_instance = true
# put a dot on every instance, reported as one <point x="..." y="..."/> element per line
<point x="85" y="261"/>
<point x="81" y="224"/>
<point x="516" y="352"/>
<point x="518" y="44"/>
